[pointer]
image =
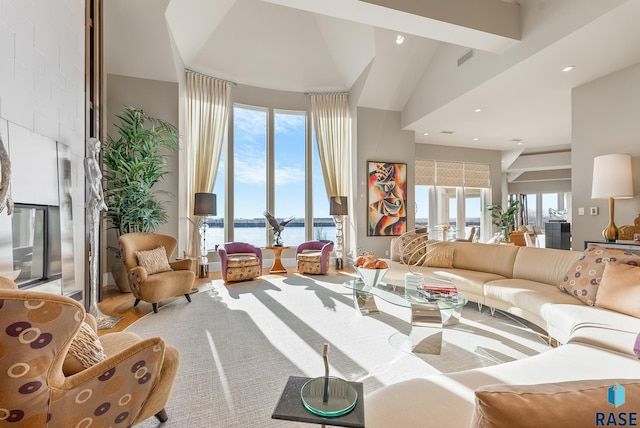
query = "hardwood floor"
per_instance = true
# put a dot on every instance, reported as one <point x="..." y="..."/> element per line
<point x="116" y="303"/>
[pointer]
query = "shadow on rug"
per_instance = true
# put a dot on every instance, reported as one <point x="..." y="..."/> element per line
<point x="240" y="343"/>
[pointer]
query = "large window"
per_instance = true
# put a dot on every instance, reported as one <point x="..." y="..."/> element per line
<point x="249" y="174"/>
<point x="275" y="167"/>
<point x="289" y="173"/>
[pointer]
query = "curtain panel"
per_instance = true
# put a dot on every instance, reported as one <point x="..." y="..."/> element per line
<point x="330" y="113"/>
<point x="207" y="117"/>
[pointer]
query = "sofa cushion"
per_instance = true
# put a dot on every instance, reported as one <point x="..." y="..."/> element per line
<point x="584" y="275"/>
<point x="489" y="258"/>
<point x="154" y="261"/>
<point x="242" y="260"/>
<point x="619" y="289"/>
<point x="84" y="352"/>
<point x="574" y="403"/>
<point x="438" y="254"/>
<point x="555" y="262"/>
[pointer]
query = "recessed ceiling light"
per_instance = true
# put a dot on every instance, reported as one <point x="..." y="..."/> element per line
<point x="399" y="39"/>
<point x="476" y="139"/>
<point x="478" y="110"/>
<point x="425" y="134"/>
<point x="568" y="68"/>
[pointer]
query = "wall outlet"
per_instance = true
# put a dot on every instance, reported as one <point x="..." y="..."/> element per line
<point x="386" y="252"/>
<point x="580" y="211"/>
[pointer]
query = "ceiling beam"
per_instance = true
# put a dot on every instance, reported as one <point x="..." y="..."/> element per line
<point x="488" y="25"/>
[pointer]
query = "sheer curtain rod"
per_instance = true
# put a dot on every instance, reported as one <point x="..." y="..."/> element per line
<point x="202" y="74"/>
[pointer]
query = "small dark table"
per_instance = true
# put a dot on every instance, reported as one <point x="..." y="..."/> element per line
<point x="290" y="407"/>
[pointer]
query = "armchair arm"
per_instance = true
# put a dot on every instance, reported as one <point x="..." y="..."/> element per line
<point x="115" y="389"/>
<point x="137" y="276"/>
<point x="222" y="252"/>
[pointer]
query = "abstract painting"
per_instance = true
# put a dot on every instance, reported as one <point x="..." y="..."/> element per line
<point x="387" y="213"/>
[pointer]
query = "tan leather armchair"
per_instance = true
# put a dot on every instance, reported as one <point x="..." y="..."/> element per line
<point x="131" y="383"/>
<point x="176" y="281"/>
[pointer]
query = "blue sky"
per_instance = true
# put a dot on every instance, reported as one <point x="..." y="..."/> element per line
<point x="250" y="131"/>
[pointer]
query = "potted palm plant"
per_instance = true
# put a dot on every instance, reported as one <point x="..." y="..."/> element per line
<point x="504" y="219"/>
<point x="134" y="163"/>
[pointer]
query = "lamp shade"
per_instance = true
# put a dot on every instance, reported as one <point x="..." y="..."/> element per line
<point x="205" y="204"/>
<point x="338" y="205"/>
<point x="612" y="177"/>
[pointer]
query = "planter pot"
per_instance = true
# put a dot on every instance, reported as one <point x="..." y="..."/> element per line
<point x="119" y="272"/>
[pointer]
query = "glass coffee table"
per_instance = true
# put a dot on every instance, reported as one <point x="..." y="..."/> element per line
<point x="428" y="315"/>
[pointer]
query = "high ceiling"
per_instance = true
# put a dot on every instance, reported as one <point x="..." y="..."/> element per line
<point x="513" y="73"/>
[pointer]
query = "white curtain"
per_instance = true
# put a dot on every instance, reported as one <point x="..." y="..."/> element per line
<point x="208" y="104"/>
<point x="330" y="113"/>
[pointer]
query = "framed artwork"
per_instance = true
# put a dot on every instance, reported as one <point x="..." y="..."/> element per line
<point x="387" y="211"/>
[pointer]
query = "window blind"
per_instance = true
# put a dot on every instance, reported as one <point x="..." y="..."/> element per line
<point x="452" y="174"/>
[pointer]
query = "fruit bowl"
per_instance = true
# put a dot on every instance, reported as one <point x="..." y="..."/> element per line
<point x="371" y="277"/>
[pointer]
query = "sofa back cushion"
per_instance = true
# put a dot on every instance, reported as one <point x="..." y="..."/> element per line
<point x="490" y="258"/>
<point x="545" y="265"/>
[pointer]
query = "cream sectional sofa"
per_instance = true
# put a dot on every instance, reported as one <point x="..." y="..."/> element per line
<point x="596" y="344"/>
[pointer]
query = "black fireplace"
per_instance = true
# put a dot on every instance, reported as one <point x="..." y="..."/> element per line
<point x="36" y="244"/>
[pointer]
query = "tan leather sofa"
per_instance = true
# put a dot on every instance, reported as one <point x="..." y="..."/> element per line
<point x="555" y="388"/>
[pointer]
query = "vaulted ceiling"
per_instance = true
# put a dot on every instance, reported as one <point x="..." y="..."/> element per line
<point x="514" y="52"/>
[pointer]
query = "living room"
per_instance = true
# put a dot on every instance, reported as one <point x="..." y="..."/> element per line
<point x="43" y="92"/>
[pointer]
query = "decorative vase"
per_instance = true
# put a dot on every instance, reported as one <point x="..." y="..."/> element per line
<point x="505" y="233"/>
<point x="119" y="272"/>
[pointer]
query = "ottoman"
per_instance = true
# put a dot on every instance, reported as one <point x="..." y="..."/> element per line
<point x="242" y="267"/>
<point x="309" y="262"/>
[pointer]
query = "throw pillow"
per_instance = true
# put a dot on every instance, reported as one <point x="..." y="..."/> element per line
<point x="411" y="247"/>
<point x="84" y="352"/>
<point x="564" y="404"/>
<point x="154" y="261"/>
<point x="439" y="254"/>
<point x="583" y="277"/>
<point x="636" y="347"/>
<point x="619" y="289"/>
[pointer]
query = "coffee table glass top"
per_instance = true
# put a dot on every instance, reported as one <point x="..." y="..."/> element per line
<point x="402" y="296"/>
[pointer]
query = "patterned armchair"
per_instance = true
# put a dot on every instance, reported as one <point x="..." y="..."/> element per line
<point x="152" y="277"/>
<point x="313" y="256"/>
<point x="131" y="382"/>
<point x="240" y="261"/>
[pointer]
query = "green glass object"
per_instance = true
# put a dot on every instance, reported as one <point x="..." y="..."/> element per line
<point x="339" y="400"/>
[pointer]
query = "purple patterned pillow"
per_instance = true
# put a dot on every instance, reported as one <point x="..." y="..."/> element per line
<point x="636" y="347"/>
<point x="583" y="277"/>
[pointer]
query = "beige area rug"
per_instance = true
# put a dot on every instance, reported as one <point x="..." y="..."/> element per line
<point x="239" y="344"/>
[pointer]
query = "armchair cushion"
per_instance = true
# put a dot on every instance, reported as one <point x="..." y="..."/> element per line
<point x="85" y="351"/>
<point x="154" y="261"/>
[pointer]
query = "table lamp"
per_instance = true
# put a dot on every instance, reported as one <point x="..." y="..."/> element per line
<point x="612" y="179"/>
<point x="204" y="205"/>
<point x="338" y="209"/>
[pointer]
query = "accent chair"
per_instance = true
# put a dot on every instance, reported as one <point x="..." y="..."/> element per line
<point x="152" y="277"/>
<point x="58" y="373"/>
<point x="240" y="261"/>
<point x="313" y="256"/>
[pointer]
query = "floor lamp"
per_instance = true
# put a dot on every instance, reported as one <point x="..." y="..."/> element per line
<point x="204" y="205"/>
<point x="612" y="179"/>
<point x="338" y="209"/>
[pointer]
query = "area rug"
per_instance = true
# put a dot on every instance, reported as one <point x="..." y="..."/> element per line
<point x="240" y="343"/>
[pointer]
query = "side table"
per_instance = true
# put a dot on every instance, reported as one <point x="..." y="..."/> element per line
<point x="290" y="406"/>
<point x="277" y="259"/>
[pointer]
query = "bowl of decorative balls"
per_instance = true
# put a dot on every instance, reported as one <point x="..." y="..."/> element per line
<point x="371" y="269"/>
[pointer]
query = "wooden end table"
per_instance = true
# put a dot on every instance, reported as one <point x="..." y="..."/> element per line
<point x="277" y="259"/>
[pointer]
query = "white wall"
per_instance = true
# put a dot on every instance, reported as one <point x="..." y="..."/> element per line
<point x="605" y="120"/>
<point x="42" y="82"/>
<point x="379" y="138"/>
